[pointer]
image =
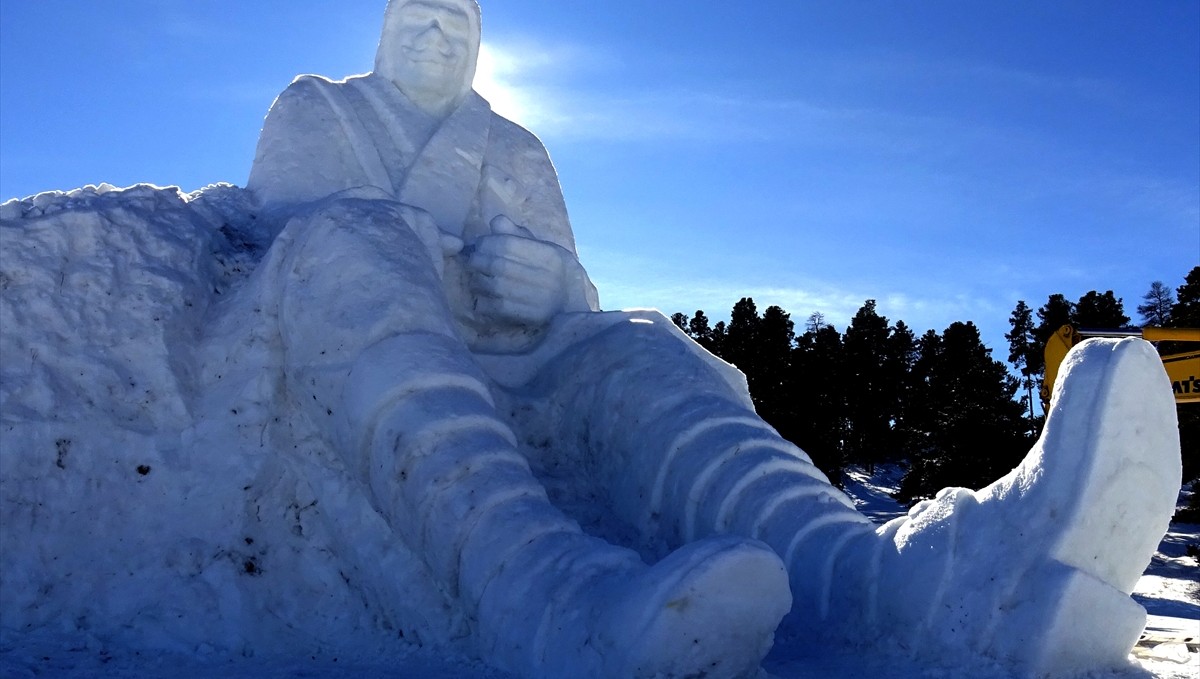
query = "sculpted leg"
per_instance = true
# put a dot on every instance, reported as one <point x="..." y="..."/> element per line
<point x="679" y="449"/>
<point x="682" y="455"/>
<point x="1035" y="569"/>
<point x="408" y="409"/>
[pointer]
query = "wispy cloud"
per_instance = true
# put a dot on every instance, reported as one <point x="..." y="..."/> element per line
<point x="716" y="297"/>
<point x="547" y="89"/>
<point x="627" y="281"/>
<point x="951" y="72"/>
<point x="188" y="27"/>
<point x="1174" y="202"/>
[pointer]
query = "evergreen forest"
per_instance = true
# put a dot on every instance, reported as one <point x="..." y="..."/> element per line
<point x="939" y="403"/>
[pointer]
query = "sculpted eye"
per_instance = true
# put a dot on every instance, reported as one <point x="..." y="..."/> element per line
<point x="456" y="23"/>
<point x="417" y="16"/>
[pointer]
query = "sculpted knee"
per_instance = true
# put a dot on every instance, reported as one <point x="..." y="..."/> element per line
<point x="368" y="219"/>
<point x="648" y="348"/>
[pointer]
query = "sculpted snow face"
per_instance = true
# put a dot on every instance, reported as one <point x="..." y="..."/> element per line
<point x="429" y="50"/>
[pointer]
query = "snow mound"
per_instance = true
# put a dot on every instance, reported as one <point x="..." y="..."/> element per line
<point x="153" y="497"/>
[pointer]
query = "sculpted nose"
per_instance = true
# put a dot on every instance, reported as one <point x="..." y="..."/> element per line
<point x="434" y="36"/>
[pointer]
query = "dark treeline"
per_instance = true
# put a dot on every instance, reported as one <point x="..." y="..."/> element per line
<point x="939" y="402"/>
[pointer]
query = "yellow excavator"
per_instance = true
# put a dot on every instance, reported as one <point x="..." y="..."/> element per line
<point x="1183" y="368"/>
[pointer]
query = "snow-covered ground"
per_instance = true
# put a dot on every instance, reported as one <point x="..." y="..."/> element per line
<point x="1170" y="587"/>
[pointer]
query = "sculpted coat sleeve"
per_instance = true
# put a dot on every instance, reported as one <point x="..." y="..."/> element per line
<point x="520" y="182"/>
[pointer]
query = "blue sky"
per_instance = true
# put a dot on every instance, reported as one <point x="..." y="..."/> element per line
<point x="946" y="158"/>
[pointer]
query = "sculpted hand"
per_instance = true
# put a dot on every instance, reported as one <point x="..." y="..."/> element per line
<point x="517" y="279"/>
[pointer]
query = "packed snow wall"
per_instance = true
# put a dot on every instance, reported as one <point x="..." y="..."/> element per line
<point x="155" y="492"/>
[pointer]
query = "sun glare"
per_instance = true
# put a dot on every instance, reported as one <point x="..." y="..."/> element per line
<point x="494" y="81"/>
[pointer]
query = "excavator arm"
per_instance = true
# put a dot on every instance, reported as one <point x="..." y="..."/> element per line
<point x="1183" y="368"/>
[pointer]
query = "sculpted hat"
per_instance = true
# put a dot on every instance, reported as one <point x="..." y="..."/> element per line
<point x="388" y="48"/>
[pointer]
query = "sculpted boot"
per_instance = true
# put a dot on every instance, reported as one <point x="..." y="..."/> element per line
<point x="1036" y="569"/>
<point x="546" y="599"/>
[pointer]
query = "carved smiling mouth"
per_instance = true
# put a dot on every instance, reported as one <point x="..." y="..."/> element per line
<point x="420" y="56"/>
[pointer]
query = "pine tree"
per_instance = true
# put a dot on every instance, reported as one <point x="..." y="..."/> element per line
<point x="680" y="320"/>
<point x="698" y="330"/>
<point x="716" y="341"/>
<point x="1022" y="349"/>
<point x="1186" y="314"/>
<point x="818" y="376"/>
<point x="1054" y="314"/>
<point x="901" y="352"/>
<point x="976" y="429"/>
<point x="816" y="321"/>
<point x="1095" y="310"/>
<point x="922" y="417"/>
<point x="741" y="338"/>
<point x="772" y="390"/>
<point x="1186" y="311"/>
<point x="868" y="405"/>
<point x="1155" y="308"/>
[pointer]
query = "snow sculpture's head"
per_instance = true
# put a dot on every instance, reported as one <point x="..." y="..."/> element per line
<point x="429" y="49"/>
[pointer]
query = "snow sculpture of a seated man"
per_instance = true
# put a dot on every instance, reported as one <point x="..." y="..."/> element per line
<point x="439" y="327"/>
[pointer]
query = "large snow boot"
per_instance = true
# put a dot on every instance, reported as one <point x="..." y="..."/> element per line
<point x="546" y="599"/>
<point x="1036" y="569"/>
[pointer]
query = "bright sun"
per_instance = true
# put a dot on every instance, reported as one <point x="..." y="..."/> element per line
<point x="493" y="81"/>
